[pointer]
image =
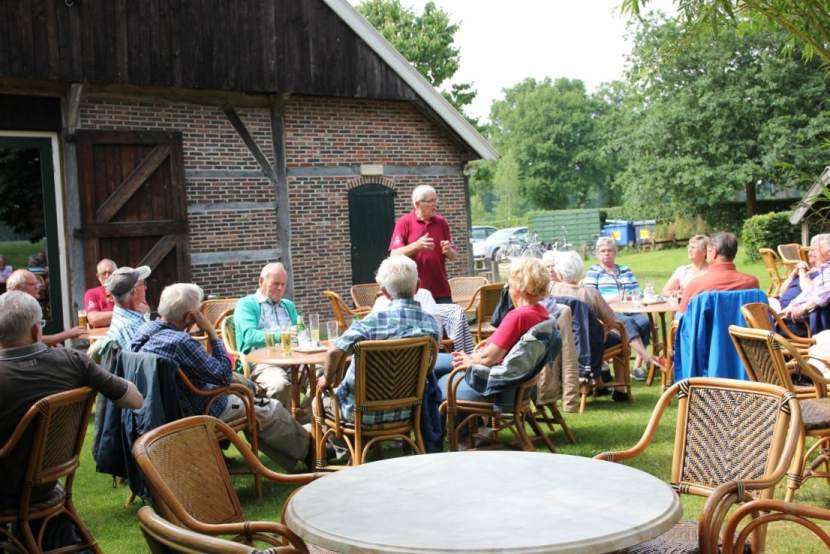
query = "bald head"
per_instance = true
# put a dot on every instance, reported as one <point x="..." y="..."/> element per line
<point x="24" y="280"/>
<point x="272" y="281"/>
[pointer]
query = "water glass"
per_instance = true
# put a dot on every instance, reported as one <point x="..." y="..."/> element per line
<point x="331" y="330"/>
<point x="314" y="328"/>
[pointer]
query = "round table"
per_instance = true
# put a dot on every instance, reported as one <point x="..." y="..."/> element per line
<point x="651" y="309"/>
<point x="94" y="334"/>
<point x="483" y="501"/>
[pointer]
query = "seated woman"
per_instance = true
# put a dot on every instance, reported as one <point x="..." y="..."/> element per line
<point x="565" y="271"/>
<point x="685" y="273"/>
<point x="800" y="276"/>
<point x="612" y="281"/>
<point x="528" y="283"/>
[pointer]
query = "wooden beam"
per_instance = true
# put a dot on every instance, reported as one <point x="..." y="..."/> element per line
<point x="159" y="251"/>
<point x="73" y="107"/>
<point x="146" y="167"/>
<point x="281" y="186"/>
<point x="249" y="141"/>
<point x="132" y="229"/>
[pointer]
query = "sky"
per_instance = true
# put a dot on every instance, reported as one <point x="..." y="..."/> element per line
<point x="503" y="42"/>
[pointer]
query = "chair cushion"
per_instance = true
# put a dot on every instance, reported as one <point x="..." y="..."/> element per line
<point x="815" y="413"/>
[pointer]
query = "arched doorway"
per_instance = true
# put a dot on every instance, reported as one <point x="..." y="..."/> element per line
<point x="371" y="221"/>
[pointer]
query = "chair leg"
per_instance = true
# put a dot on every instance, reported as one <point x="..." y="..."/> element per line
<point x="541" y="434"/>
<point x="795" y="475"/>
<point x="524" y="439"/>
<point x="560" y="419"/>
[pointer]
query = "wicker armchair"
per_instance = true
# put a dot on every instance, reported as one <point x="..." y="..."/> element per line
<point x="389" y="375"/>
<point x="191" y="485"/>
<point x="619" y="356"/>
<point x="246" y="422"/>
<point x="764" y="512"/>
<point x="772" y="266"/>
<point x="342" y="313"/>
<point x="57" y="426"/>
<point x="759" y="315"/>
<point x="215" y="310"/>
<point x="364" y="295"/>
<point x="733" y="442"/>
<point x="228" y="334"/>
<point x="462" y="289"/>
<point x="762" y="353"/>
<point x="484" y="301"/>
<point x="790" y="254"/>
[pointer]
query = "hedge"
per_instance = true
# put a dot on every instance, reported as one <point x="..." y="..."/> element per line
<point x="767" y="231"/>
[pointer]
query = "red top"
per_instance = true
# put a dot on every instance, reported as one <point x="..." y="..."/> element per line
<point x="516" y="323"/>
<point x="431" y="267"/>
<point x="721" y="276"/>
<point x="96" y="300"/>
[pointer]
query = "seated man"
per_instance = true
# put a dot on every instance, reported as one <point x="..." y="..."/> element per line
<point x="815" y="287"/>
<point x="23" y="280"/>
<point x="397" y="277"/>
<point x="97" y="303"/>
<point x="5" y="269"/>
<point x="280" y="436"/>
<point x="30" y="371"/>
<point x="266" y="309"/>
<point x="722" y="274"/>
<point x="127" y="287"/>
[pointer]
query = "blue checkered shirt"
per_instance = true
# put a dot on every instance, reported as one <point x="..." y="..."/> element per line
<point x="205" y="371"/>
<point x="609" y="283"/>
<point x="403" y="318"/>
<point x="124" y="325"/>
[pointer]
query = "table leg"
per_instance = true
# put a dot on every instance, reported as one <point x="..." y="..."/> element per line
<point x="295" y="390"/>
<point x="655" y="348"/>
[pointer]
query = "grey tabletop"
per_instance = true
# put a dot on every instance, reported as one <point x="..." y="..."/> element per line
<point x="483" y="502"/>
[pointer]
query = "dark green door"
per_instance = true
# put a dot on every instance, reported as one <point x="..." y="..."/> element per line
<point x="371" y="221"/>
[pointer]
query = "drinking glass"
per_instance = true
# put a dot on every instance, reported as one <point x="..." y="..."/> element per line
<point x="270" y="338"/>
<point x="331" y="330"/>
<point x="314" y="328"/>
<point x="82" y="320"/>
<point x="285" y="338"/>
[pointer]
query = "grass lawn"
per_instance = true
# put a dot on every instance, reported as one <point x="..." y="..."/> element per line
<point x="17" y="252"/>
<point x="605" y="425"/>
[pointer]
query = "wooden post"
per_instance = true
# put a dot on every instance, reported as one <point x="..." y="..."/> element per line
<point x="70" y="109"/>
<point x="805" y="233"/>
<point x="281" y="186"/>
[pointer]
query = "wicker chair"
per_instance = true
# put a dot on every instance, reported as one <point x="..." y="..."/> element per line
<point x="667" y="375"/>
<point x="790" y="254"/>
<point x="762" y="353"/>
<point x="56" y="426"/>
<point x="228" y="334"/>
<point x="804" y="253"/>
<point x="772" y="265"/>
<point x="215" y="310"/>
<point x="364" y="295"/>
<point x="619" y="356"/>
<point x="462" y="289"/>
<point x="246" y="422"/>
<point x="342" y="313"/>
<point x="733" y="442"/>
<point x="764" y="512"/>
<point x="191" y="485"/>
<point x="389" y="374"/>
<point x="484" y="302"/>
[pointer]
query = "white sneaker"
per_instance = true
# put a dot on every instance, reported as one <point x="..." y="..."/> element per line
<point x="638" y="374"/>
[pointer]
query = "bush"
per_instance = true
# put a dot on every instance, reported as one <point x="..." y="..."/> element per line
<point x="681" y="228"/>
<point x="767" y="231"/>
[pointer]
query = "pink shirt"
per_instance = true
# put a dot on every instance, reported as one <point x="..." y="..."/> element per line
<point x="516" y="323"/>
<point x="96" y="300"/>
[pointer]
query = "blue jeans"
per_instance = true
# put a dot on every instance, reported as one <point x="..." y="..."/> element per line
<point x="636" y="325"/>
<point x="443" y="367"/>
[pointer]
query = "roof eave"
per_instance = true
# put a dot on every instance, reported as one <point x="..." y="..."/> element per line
<point x="810" y="197"/>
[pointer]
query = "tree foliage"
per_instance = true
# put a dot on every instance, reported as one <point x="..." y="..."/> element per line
<point x="21" y="191"/>
<point x="705" y="119"/>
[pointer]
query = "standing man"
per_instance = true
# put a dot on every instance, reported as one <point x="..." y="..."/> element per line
<point x="127" y="287"/>
<point x="266" y="309"/>
<point x="97" y="303"/>
<point x="424" y="236"/>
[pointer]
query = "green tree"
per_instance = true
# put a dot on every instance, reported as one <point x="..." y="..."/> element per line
<point x="426" y="40"/>
<point x="550" y="128"/>
<point x="715" y="116"/>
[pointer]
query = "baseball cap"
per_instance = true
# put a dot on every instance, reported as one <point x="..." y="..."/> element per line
<point x="124" y="279"/>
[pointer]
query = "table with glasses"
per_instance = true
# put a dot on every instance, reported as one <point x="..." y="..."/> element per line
<point x="483" y="501"/>
<point x="660" y="309"/>
<point x="94" y="334"/>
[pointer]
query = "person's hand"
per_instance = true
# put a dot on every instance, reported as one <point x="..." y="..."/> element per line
<point x="425" y="243"/>
<point x="76" y="332"/>
<point x="460" y="359"/>
<point x="202" y="322"/>
<point x="446" y="246"/>
<point x="802" y="267"/>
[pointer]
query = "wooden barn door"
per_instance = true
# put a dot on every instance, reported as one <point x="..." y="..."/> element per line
<point x="133" y="207"/>
<point x="371" y="221"/>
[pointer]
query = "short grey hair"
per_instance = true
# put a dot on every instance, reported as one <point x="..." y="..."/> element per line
<point x="121" y="299"/>
<point x="18" y="313"/>
<point x="16" y="279"/>
<point x="569" y="266"/>
<point x="823" y="239"/>
<point x="398" y="275"/>
<point x="421" y="191"/>
<point x="271" y="267"/>
<point x="178" y="299"/>
<point x="105" y="261"/>
<point x="725" y="244"/>
<point x="606" y="241"/>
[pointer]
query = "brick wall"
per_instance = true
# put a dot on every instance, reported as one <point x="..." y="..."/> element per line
<point x="320" y="133"/>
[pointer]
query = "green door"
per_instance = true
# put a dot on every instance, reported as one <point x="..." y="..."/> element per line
<point x="371" y="221"/>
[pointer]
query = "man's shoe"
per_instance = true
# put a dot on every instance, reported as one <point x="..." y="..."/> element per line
<point x="619" y="396"/>
<point x="638" y="374"/>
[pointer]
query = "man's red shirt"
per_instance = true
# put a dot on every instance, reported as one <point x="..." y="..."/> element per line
<point x="432" y="269"/>
<point x="720" y="276"/>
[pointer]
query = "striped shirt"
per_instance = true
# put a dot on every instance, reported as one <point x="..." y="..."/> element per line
<point x="611" y="283"/>
<point x="124" y="325"/>
<point x="403" y="318"/>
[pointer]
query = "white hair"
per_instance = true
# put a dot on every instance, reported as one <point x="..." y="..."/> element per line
<point x="421" y="192"/>
<point x="398" y="275"/>
<point x="273" y="266"/>
<point x="18" y="313"/>
<point x="568" y="265"/>
<point x="17" y="279"/>
<point x="178" y="299"/>
<point x="549" y="257"/>
<point x="606" y="241"/>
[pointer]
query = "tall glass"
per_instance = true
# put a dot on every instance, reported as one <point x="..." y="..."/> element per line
<point x="270" y="338"/>
<point x="285" y="338"/>
<point x="331" y="330"/>
<point x="82" y="320"/>
<point x="314" y="328"/>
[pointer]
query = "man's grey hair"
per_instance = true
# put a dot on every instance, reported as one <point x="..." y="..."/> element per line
<point x="725" y="244"/>
<point x="398" y="275"/>
<point x="271" y="267"/>
<point x="421" y="192"/>
<point x="121" y="299"/>
<point x="16" y="279"/>
<point x="18" y="313"/>
<point x="606" y="241"/>
<point x="569" y="266"/>
<point x="178" y="299"/>
<point x="105" y="261"/>
<point x="823" y="239"/>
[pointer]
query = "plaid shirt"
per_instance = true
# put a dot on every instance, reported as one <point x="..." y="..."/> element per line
<point x="611" y="284"/>
<point x="403" y="318"/>
<point x="124" y="325"/>
<point x="205" y="371"/>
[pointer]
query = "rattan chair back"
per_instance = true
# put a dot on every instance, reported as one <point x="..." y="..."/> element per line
<point x="48" y="439"/>
<point x="790" y="254"/>
<point x="762" y="352"/>
<point x="228" y="333"/>
<point x="342" y="313"/>
<point x="760" y="315"/>
<point x="462" y="289"/>
<point x="392" y="373"/>
<point x="216" y="309"/>
<point x="364" y="295"/>
<point x="485" y="300"/>
<point x="771" y="264"/>
<point x="804" y="251"/>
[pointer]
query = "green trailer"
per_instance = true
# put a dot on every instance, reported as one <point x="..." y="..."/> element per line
<point x="576" y="228"/>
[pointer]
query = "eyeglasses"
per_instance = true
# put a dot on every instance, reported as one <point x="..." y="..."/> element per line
<point x="433" y="201"/>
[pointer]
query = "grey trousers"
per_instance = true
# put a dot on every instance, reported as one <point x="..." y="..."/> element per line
<point x="273" y="382"/>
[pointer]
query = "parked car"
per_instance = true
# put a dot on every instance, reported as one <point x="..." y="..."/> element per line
<point x="480" y="232"/>
<point x="489" y="247"/>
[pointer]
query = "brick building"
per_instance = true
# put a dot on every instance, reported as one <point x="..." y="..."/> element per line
<point x="207" y="138"/>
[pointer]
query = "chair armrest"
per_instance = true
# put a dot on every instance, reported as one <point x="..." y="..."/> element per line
<point x="472" y="303"/>
<point x="617" y="326"/>
<point x="453" y="383"/>
<point x="765" y="511"/>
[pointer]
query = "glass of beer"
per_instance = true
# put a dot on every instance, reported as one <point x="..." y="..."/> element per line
<point x="270" y="338"/>
<point x="285" y="338"/>
<point x="82" y="320"/>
